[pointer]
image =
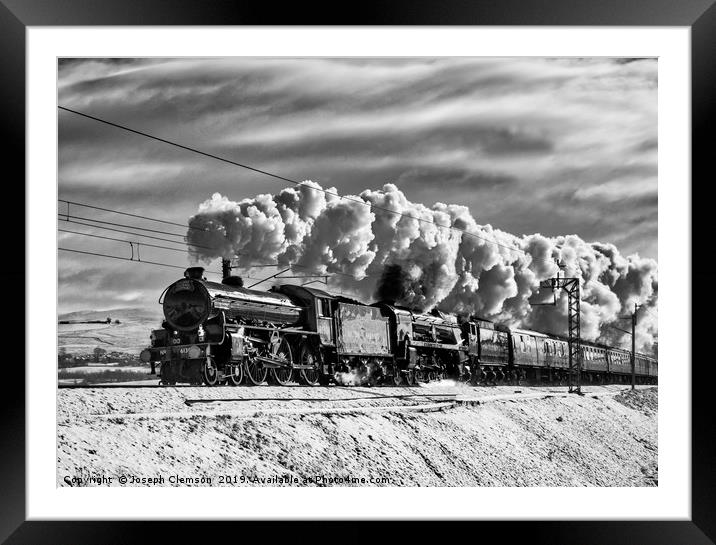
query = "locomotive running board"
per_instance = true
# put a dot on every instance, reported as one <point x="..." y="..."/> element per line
<point x="279" y="330"/>
<point x="271" y="363"/>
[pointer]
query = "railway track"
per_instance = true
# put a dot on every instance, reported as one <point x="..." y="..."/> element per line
<point x="191" y="402"/>
<point x="126" y="386"/>
<point x="352" y="388"/>
<point x="333" y="400"/>
<point x="418" y="403"/>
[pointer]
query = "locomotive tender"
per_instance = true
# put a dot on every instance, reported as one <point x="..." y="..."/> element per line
<point x="217" y="333"/>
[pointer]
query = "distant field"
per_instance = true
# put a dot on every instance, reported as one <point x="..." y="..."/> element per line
<point x="94" y="374"/>
<point x="129" y="336"/>
<point x="109" y="368"/>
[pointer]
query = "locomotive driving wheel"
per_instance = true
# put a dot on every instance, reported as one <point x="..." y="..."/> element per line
<point x="210" y="374"/>
<point x="283" y="375"/>
<point x="236" y="374"/>
<point x="311" y="377"/>
<point x="255" y="372"/>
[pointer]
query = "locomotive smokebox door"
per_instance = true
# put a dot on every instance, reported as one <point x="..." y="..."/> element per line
<point x="186" y="304"/>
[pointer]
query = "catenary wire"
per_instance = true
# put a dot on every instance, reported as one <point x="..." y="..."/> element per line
<point x="135" y="234"/>
<point x="129" y="214"/>
<point x="257" y="265"/>
<point x="127" y="259"/>
<point x="64" y="216"/>
<point x="146" y="262"/>
<point x="137" y="242"/>
<point x="70" y="216"/>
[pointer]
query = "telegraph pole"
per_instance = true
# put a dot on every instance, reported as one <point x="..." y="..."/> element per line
<point x="633" y="347"/>
<point x="632" y="358"/>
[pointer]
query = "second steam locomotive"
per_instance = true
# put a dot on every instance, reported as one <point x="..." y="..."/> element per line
<point x="218" y="333"/>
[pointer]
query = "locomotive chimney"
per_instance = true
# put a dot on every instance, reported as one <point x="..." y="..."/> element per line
<point x="227" y="278"/>
<point x="195" y="273"/>
<point x="235" y="281"/>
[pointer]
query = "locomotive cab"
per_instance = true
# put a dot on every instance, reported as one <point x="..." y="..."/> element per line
<point x="320" y="309"/>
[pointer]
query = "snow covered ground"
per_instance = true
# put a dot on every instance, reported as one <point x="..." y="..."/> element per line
<point x="436" y="435"/>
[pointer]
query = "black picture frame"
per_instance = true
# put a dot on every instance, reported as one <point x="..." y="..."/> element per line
<point x="16" y="15"/>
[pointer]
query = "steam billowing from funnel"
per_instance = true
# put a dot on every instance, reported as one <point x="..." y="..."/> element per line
<point x="473" y="269"/>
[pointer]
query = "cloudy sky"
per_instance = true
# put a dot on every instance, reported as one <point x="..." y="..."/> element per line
<point x="530" y="145"/>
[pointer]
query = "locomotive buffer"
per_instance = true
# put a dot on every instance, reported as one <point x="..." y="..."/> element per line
<point x="571" y="286"/>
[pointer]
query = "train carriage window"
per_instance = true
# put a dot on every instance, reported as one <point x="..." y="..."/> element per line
<point x="324" y="307"/>
<point x="523" y="347"/>
<point x="562" y="350"/>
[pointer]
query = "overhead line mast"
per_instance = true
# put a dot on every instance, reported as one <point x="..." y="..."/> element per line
<point x="571" y="286"/>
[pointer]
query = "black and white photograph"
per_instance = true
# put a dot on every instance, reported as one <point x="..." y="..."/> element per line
<point x="357" y="271"/>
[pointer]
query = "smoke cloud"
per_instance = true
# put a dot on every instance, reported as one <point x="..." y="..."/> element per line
<point x="416" y="260"/>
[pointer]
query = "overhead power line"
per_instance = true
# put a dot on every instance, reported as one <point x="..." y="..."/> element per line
<point x="66" y="216"/>
<point x="128" y="259"/>
<point x="256" y="265"/>
<point x="134" y="242"/>
<point x="284" y="178"/>
<point x="619" y="329"/>
<point x="132" y="233"/>
<point x="156" y="263"/>
<point x="128" y="214"/>
<point x="62" y="216"/>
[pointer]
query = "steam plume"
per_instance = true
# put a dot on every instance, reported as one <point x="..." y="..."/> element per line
<point x="473" y="269"/>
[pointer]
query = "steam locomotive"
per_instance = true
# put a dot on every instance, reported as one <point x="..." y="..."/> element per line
<point x="222" y="333"/>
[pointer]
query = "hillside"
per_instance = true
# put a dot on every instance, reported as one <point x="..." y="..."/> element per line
<point x="131" y="335"/>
